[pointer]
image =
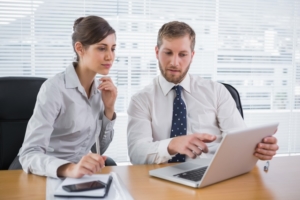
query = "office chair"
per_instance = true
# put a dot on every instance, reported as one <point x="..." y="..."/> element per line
<point x="235" y="95"/>
<point x="109" y="161"/>
<point x="17" y="101"/>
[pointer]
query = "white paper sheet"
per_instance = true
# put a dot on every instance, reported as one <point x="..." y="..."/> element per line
<point x="117" y="191"/>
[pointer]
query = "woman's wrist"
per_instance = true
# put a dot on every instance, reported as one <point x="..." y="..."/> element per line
<point x="109" y="113"/>
<point x="63" y="171"/>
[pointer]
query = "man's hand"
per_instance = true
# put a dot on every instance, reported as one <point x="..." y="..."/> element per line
<point x="267" y="148"/>
<point x="88" y="165"/>
<point x="109" y="94"/>
<point x="190" y="145"/>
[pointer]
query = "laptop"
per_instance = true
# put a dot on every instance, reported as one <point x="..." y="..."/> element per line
<point x="233" y="157"/>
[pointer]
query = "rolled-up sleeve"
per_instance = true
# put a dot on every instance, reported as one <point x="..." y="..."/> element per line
<point x="40" y="126"/>
<point x="141" y="147"/>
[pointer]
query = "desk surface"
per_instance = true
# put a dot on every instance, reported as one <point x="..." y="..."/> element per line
<point x="282" y="181"/>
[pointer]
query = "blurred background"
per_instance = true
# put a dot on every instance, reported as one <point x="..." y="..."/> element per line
<point x="252" y="45"/>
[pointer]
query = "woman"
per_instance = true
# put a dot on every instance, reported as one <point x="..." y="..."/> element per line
<point x="73" y="109"/>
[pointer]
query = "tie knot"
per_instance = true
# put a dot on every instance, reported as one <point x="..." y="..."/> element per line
<point x="177" y="89"/>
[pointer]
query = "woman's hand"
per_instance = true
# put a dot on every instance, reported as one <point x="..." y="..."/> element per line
<point x="88" y="165"/>
<point x="109" y="95"/>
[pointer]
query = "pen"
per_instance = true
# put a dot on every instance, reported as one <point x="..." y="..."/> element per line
<point x="266" y="167"/>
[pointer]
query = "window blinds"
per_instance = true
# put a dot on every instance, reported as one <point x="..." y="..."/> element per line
<point x="252" y="45"/>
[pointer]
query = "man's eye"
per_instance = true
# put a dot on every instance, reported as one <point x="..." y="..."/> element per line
<point x="168" y="53"/>
<point x="182" y="55"/>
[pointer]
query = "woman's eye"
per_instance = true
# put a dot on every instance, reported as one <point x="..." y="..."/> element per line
<point x="101" y="49"/>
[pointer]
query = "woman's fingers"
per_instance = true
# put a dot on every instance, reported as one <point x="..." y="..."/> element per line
<point x="107" y="86"/>
<point x="84" y="171"/>
<point x="99" y="159"/>
<point x="92" y="162"/>
<point x="105" y="79"/>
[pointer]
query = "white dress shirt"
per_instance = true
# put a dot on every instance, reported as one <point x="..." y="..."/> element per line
<point x="210" y="109"/>
<point x="64" y="126"/>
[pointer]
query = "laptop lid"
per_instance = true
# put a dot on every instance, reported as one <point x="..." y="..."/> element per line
<point x="233" y="157"/>
<point x="235" y="154"/>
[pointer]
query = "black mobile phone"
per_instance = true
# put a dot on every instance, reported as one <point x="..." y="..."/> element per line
<point x="92" y="185"/>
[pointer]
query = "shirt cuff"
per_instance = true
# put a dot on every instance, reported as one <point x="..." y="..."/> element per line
<point x="108" y="124"/>
<point x="164" y="155"/>
<point x="51" y="169"/>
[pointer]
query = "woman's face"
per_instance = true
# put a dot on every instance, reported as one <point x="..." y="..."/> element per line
<point x="99" y="57"/>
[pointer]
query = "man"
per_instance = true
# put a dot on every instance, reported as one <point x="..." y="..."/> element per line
<point x="162" y="128"/>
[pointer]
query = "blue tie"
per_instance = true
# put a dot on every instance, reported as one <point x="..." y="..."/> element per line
<point x="178" y="121"/>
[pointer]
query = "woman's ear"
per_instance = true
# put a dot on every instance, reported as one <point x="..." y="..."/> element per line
<point x="79" y="49"/>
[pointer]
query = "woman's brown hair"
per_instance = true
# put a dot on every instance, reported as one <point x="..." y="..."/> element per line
<point x="90" y="30"/>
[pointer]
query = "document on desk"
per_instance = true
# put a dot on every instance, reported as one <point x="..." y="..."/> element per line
<point x="117" y="190"/>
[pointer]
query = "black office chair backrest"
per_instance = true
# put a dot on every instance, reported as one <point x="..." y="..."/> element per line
<point x="17" y="100"/>
<point x="235" y="95"/>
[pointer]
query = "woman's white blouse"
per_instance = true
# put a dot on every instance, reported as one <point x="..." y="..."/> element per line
<point x="64" y="126"/>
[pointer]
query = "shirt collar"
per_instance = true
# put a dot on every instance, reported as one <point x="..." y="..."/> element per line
<point x="72" y="80"/>
<point x="95" y="85"/>
<point x="166" y="86"/>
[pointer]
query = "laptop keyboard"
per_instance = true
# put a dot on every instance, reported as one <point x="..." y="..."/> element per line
<point x="193" y="175"/>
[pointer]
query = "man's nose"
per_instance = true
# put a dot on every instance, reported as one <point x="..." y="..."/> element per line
<point x="175" y="60"/>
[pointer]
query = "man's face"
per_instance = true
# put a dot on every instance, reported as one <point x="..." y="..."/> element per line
<point x="174" y="58"/>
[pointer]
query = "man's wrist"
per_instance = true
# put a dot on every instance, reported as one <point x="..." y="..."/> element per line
<point x="170" y="148"/>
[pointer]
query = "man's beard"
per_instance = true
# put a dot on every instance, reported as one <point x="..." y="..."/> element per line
<point x="171" y="78"/>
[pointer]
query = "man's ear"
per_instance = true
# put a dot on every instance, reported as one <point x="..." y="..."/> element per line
<point x="79" y="49"/>
<point x="156" y="51"/>
<point x="193" y="53"/>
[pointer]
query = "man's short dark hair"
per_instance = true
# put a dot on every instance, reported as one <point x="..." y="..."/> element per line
<point x="176" y="29"/>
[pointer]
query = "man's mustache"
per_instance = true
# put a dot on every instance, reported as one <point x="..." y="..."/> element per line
<point x="173" y="68"/>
